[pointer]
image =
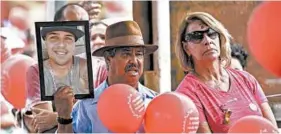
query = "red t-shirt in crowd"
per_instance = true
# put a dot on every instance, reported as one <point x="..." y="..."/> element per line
<point x="243" y="98"/>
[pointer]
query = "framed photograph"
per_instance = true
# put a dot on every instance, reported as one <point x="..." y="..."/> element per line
<point x="58" y="44"/>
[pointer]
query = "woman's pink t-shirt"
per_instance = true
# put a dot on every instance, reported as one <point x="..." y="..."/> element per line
<point x="243" y="98"/>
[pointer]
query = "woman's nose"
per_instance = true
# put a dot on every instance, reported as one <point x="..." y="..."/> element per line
<point x="207" y="40"/>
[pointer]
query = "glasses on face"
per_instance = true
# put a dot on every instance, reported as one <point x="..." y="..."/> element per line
<point x="197" y="36"/>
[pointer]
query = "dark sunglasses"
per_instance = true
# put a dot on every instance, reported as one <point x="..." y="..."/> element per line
<point x="198" y="36"/>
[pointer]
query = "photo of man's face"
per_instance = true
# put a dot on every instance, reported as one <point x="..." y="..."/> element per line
<point x="60" y="46"/>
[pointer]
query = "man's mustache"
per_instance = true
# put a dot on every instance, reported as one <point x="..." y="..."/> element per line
<point x="130" y="66"/>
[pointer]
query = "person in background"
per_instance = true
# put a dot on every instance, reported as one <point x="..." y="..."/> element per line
<point x="98" y="29"/>
<point x="97" y="37"/>
<point x="71" y="12"/>
<point x="9" y="124"/>
<point x="9" y="64"/>
<point x="222" y="95"/>
<point x="84" y="10"/>
<point x="93" y="8"/>
<point x="238" y="57"/>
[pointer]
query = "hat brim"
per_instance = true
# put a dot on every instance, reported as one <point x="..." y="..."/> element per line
<point x="76" y="32"/>
<point x="149" y="49"/>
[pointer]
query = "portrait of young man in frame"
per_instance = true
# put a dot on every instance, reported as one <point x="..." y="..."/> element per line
<point x="58" y="43"/>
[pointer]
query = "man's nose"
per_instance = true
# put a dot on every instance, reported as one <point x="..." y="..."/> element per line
<point x="133" y="59"/>
<point x="61" y="44"/>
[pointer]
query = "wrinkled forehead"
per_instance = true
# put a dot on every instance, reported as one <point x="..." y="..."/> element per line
<point x="196" y="25"/>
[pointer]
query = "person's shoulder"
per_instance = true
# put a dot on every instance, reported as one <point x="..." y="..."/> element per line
<point x="34" y="67"/>
<point x="189" y="81"/>
<point x="189" y="85"/>
<point x="243" y="76"/>
<point x="33" y="71"/>
<point x="100" y="88"/>
<point x="240" y="73"/>
<point x="82" y="60"/>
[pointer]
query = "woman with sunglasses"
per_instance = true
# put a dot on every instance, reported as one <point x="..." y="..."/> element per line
<point x="222" y="95"/>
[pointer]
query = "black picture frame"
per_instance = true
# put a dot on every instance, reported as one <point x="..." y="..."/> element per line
<point x="86" y="49"/>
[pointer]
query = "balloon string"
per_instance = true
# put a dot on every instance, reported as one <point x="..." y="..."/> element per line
<point x="131" y="108"/>
<point x="273" y="95"/>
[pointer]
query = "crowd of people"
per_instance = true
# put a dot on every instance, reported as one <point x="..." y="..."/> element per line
<point x="213" y="65"/>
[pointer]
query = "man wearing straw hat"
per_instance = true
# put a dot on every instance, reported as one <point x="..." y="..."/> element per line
<point x="124" y="52"/>
<point x="62" y="67"/>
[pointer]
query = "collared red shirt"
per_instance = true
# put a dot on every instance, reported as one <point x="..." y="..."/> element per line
<point x="84" y="113"/>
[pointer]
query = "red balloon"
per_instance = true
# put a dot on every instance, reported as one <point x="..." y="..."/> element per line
<point x="252" y="124"/>
<point x="264" y="36"/>
<point x="171" y="113"/>
<point x="121" y="109"/>
<point x="13" y="79"/>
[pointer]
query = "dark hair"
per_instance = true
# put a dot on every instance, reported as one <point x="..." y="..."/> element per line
<point x="59" y="13"/>
<point x="238" y="52"/>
